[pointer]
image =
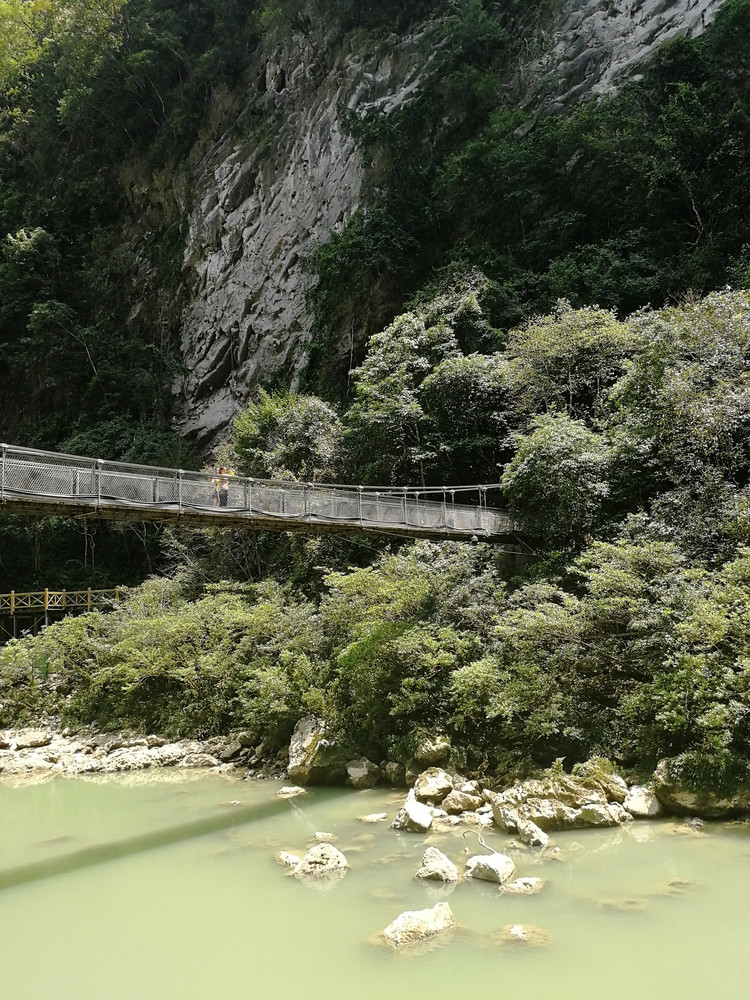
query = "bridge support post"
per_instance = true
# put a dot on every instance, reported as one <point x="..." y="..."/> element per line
<point x="359" y="503"/>
<point x="2" y="481"/>
<point x="179" y="490"/>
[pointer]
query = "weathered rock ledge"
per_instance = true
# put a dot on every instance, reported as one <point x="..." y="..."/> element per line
<point x="26" y="752"/>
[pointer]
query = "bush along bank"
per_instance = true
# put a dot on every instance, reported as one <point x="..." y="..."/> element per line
<point x="625" y="637"/>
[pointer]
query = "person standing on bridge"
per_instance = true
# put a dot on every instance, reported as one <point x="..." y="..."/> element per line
<point x="221" y="487"/>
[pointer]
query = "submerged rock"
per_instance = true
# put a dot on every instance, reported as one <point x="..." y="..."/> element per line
<point x="290" y="792"/>
<point x="416" y="926"/>
<point x="522" y="934"/>
<point x="373" y="818"/>
<point x="527" y="886"/>
<point x="627" y="904"/>
<point x="322" y="859"/>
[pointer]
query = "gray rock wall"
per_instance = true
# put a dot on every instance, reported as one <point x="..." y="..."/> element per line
<point x="592" y="46"/>
<point x="260" y="211"/>
<point x="259" y="205"/>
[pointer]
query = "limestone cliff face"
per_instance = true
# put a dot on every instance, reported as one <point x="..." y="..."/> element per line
<point x="259" y="210"/>
<point x="263" y="196"/>
<point x="591" y="46"/>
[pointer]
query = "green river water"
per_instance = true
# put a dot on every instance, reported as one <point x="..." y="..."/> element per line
<point x="165" y="888"/>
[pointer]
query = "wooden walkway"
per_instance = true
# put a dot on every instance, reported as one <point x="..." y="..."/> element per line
<point x="39" y="607"/>
<point x="47" y="483"/>
<point x="17" y="603"/>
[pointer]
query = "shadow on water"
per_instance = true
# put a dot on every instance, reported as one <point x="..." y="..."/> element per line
<point x="99" y="854"/>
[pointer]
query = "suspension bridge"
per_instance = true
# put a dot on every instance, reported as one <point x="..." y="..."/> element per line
<point x="47" y="483"/>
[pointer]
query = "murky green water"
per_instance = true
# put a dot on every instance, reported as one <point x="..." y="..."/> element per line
<point x="163" y="889"/>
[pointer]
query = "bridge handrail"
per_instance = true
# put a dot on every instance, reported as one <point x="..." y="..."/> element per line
<point x="133" y="468"/>
<point x="57" y="600"/>
<point x="44" y="475"/>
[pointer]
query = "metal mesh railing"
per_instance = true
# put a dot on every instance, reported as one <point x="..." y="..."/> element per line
<point x="30" y="474"/>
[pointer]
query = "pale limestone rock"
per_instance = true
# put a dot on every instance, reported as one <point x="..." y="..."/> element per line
<point x="459" y="801"/>
<point x="395" y="774"/>
<point x="437" y="867"/>
<point x="373" y="818"/>
<point x="433" y="785"/>
<point x="506" y="818"/>
<point x="415" y="926"/>
<point x="554" y="803"/>
<point x="527" y="886"/>
<point x="433" y="750"/>
<point x="414" y="816"/>
<point x="491" y="867"/>
<point x="287" y="859"/>
<point x="362" y="773"/>
<point x="313" y="758"/>
<point x="290" y="792"/>
<point x="322" y="859"/>
<point x="600" y="774"/>
<point x="475" y="819"/>
<point x="470" y="788"/>
<point x="530" y="834"/>
<point x="31" y="739"/>
<point x="197" y="759"/>
<point x="598" y="814"/>
<point x="524" y="934"/>
<point x="641" y="803"/>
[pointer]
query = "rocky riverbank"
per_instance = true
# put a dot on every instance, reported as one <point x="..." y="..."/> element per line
<point x="593" y="796"/>
<point x="45" y="750"/>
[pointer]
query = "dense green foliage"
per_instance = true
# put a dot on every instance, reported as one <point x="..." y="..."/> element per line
<point x="96" y="98"/>
<point x="627" y="636"/>
<point x="623" y="202"/>
<point x="525" y="250"/>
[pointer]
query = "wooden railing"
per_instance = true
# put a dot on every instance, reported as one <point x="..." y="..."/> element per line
<point x="23" y="603"/>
